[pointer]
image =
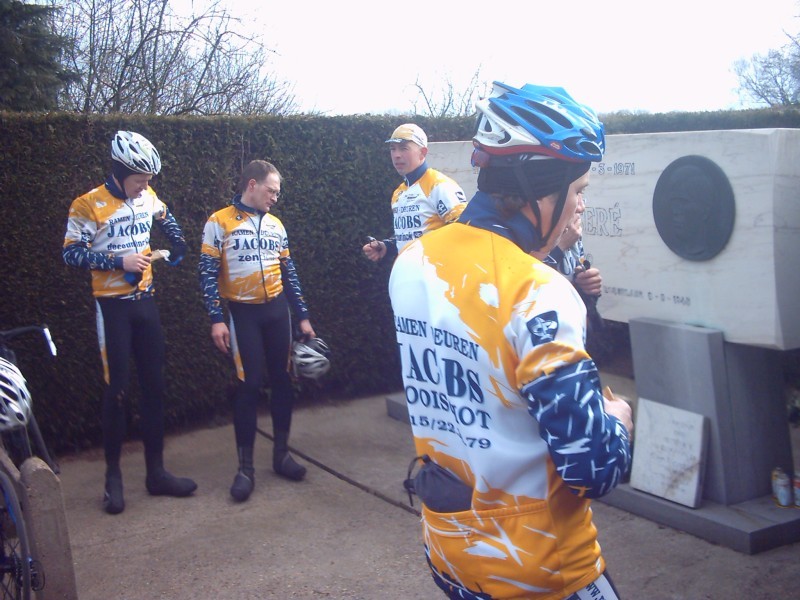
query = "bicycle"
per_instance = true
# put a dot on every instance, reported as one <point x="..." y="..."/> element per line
<point x="20" y="571"/>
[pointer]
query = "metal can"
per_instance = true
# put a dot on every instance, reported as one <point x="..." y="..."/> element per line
<point x="797" y="490"/>
<point x="781" y="487"/>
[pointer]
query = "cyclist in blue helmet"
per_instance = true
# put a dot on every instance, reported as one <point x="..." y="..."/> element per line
<point x="500" y="389"/>
<point x="519" y="129"/>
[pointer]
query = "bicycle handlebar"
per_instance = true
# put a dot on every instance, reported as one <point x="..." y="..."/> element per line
<point x="33" y="426"/>
<point x="10" y="334"/>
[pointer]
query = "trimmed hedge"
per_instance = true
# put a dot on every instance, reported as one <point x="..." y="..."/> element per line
<point x="338" y="181"/>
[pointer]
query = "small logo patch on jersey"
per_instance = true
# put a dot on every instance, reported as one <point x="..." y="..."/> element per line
<point x="543" y="327"/>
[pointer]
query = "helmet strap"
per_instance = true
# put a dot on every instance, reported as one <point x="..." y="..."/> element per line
<point x="558" y="209"/>
<point x="574" y="171"/>
<point x="121" y="172"/>
<point x="530" y="197"/>
<point x="532" y="180"/>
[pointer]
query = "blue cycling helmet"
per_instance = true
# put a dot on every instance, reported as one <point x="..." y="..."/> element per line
<point x="538" y="120"/>
<point x="533" y="142"/>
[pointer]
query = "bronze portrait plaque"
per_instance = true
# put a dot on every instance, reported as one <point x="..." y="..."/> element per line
<point x="694" y="208"/>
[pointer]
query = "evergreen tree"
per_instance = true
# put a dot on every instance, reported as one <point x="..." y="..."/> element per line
<point x="31" y="74"/>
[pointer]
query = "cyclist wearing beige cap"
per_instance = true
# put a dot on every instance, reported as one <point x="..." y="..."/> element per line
<point x="424" y="201"/>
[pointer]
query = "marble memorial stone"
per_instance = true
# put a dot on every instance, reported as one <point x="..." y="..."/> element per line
<point x="669" y="452"/>
<point x="453" y="158"/>
<point x="735" y="273"/>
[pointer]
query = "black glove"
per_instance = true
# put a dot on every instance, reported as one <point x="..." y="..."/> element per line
<point x="176" y="254"/>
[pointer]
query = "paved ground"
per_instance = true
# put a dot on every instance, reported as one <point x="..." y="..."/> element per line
<point x="345" y="532"/>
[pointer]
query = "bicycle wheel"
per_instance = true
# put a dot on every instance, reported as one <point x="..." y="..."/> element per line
<point x="15" y="564"/>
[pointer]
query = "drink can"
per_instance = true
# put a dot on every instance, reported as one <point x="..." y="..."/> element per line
<point x="797" y="490"/>
<point x="781" y="487"/>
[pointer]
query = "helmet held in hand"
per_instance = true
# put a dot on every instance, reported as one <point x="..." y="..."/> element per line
<point x="310" y="358"/>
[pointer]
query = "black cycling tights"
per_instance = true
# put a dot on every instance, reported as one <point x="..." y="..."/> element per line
<point x="132" y="328"/>
<point x="261" y="334"/>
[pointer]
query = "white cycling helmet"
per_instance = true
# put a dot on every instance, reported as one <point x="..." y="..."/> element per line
<point x="310" y="358"/>
<point x="15" y="401"/>
<point x="135" y="152"/>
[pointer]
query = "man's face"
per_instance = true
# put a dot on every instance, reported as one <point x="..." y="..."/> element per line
<point x="690" y="208"/>
<point x="264" y="195"/>
<point x="135" y="184"/>
<point x="406" y="156"/>
<point x="573" y="204"/>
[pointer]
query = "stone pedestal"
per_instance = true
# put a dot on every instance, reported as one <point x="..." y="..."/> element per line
<point x="739" y="389"/>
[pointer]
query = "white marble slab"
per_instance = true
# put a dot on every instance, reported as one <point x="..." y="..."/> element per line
<point x="750" y="290"/>
<point x="669" y="452"/>
<point x="453" y="158"/>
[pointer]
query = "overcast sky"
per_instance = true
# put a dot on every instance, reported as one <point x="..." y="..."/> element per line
<point x="362" y="56"/>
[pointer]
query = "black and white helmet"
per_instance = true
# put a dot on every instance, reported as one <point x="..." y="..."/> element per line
<point x="15" y="401"/>
<point x="135" y="152"/>
<point x="310" y="358"/>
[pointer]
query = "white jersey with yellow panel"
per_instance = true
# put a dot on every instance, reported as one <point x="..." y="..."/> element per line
<point x="103" y="228"/>
<point x="502" y="394"/>
<point x="249" y="247"/>
<point x="425" y="201"/>
<point x="245" y="258"/>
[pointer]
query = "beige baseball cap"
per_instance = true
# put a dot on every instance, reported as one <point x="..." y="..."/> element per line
<point x="411" y="133"/>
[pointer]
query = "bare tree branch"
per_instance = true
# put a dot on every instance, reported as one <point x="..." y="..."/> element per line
<point x="444" y="100"/>
<point x="138" y="56"/>
<point x="773" y="78"/>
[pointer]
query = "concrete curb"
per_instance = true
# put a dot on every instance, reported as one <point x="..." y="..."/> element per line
<point x="46" y="520"/>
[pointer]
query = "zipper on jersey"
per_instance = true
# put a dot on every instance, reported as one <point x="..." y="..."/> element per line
<point x="260" y="258"/>
<point x="132" y="278"/>
<point x="133" y="225"/>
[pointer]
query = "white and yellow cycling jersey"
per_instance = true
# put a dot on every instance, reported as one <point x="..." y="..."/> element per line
<point x="424" y="203"/>
<point x="245" y="258"/>
<point x="249" y="247"/>
<point x="501" y="392"/>
<point x="102" y="229"/>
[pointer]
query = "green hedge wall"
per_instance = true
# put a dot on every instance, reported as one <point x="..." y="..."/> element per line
<point x="337" y="184"/>
<point x="338" y="181"/>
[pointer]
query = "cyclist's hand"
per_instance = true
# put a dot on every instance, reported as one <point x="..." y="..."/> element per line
<point x="221" y="337"/>
<point x="374" y="250"/>
<point x="589" y="282"/>
<point x="177" y="254"/>
<point x="618" y="406"/>
<point x="135" y="263"/>
<point x="306" y="330"/>
<point x="158" y="255"/>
